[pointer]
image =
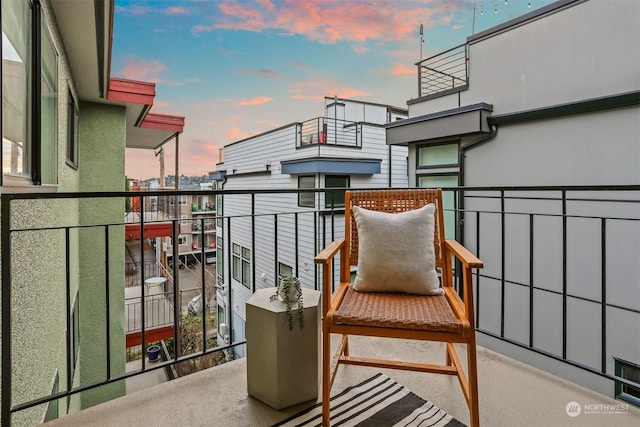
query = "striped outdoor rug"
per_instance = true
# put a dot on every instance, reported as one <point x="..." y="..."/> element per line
<point x="380" y="402"/>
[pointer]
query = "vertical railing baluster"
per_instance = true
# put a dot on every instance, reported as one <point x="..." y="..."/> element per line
<point x="603" y="301"/>
<point x="142" y="283"/>
<point x="67" y="266"/>
<point x="275" y="249"/>
<point x="229" y="281"/>
<point x="177" y="301"/>
<point x="7" y="351"/>
<point x="531" y="273"/>
<point x="477" y="273"/>
<point x="316" y="234"/>
<point x="107" y="304"/>
<point x="564" y="274"/>
<point x="502" y="262"/>
<point x="253" y="243"/>
<point x="203" y="298"/>
<point x="296" y="242"/>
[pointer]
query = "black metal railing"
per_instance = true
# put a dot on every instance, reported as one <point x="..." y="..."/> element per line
<point x="558" y="261"/>
<point x="443" y="72"/>
<point x="323" y="130"/>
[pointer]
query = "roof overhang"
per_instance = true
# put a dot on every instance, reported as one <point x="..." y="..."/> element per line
<point x="331" y="165"/>
<point x="467" y="120"/>
<point x="86" y="28"/>
<point x="145" y="130"/>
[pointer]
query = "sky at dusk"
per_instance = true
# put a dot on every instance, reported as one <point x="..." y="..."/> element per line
<point x="236" y="68"/>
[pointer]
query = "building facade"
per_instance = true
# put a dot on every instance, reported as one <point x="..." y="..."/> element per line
<point x="344" y="148"/>
<point x="65" y="126"/>
<point x="548" y="99"/>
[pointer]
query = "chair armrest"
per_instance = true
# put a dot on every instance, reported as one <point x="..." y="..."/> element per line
<point x="467" y="258"/>
<point x="329" y="252"/>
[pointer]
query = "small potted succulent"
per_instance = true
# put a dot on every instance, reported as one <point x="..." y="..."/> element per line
<point x="289" y="291"/>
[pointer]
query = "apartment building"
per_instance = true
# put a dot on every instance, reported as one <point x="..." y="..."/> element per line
<point x="548" y="99"/>
<point x="65" y="125"/>
<point x="344" y="148"/>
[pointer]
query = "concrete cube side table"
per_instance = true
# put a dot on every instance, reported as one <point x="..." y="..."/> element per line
<point x="282" y="365"/>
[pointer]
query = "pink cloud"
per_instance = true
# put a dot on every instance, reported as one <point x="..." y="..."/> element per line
<point x="401" y="69"/>
<point x="256" y="101"/>
<point x="316" y="91"/>
<point x="176" y="10"/>
<point x="330" y="21"/>
<point x="235" y="133"/>
<point x="140" y="69"/>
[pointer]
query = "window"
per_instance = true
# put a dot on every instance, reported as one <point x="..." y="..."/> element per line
<point x="219" y="259"/>
<point x="182" y="240"/>
<point x="183" y="200"/>
<point x="448" y="198"/>
<point x="307" y="200"/>
<point x="335" y="199"/>
<point x="183" y="219"/>
<point x="73" y="132"/>
<point x="437" y="167"/>
<point x="629" y="371"/>
<point x="48" y="110"/>
<point x="284" y="270"/>
<point x="438" y="156"/>
<point x="222" y="330"/>
<point x="241" y="265"/>
<point x="29" y="96"/>
<point x="219" y="210"/>
<point x="17" y="87"/>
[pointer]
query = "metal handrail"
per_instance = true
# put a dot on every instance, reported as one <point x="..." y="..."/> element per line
<point x="496" y="209"/>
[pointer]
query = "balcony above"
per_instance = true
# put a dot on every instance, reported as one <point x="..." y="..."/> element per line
<point x="511" y="394"/>
<point x="444" y="73"/>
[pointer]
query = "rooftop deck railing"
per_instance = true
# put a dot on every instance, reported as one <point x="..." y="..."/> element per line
<point x="323" y="130"/>
<point x="560" y="278"/>
<point x="444" y="72"/>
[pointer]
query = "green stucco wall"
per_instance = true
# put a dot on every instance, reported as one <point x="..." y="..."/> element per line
<point x="101" y="153"/>
<point x="39" y="262"/>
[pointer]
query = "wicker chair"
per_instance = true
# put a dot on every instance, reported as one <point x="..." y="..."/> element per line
<point x="444" y="318"/>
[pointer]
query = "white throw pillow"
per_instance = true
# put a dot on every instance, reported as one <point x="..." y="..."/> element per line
<point x="395" y="251"/>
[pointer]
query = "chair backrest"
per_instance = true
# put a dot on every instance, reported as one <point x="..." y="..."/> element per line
<point x="392" y="201"/>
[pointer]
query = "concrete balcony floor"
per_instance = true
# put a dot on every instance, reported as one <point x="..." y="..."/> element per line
<point x="511" y="394"/>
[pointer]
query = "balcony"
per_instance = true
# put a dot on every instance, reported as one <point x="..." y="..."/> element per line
<point x="511" y="394"/>
<point x="323" y="130"/>
<point x="559" y="284"/>
<point x="444" y="73"/>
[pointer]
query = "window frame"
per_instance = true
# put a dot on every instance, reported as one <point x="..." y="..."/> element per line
<point x="303" y="198"/>
<point x="33" y="109"/>
<point x="241" y="265"/>
<point x="282" y="266"/>
<point x="73" y="131"/>
<point x="449" y="142"/>
<point x="340" y="194"/>
<point x="620" y="388"/>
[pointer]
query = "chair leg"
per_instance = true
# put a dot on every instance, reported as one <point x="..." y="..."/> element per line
<point x="326" y="378"/>
<point x="474" y="404"/>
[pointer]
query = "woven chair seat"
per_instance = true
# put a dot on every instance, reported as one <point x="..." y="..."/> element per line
<point x="399" y="311"/>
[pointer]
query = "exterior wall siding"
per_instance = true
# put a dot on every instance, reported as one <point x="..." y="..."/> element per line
<point x="38" y="303"/>
<point x="585" y="51"/>
<point x="256" y="163"/>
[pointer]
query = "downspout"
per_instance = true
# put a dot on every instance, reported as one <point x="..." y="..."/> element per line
<point x="461" y="157"/>
<point x="390" y="172"/>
